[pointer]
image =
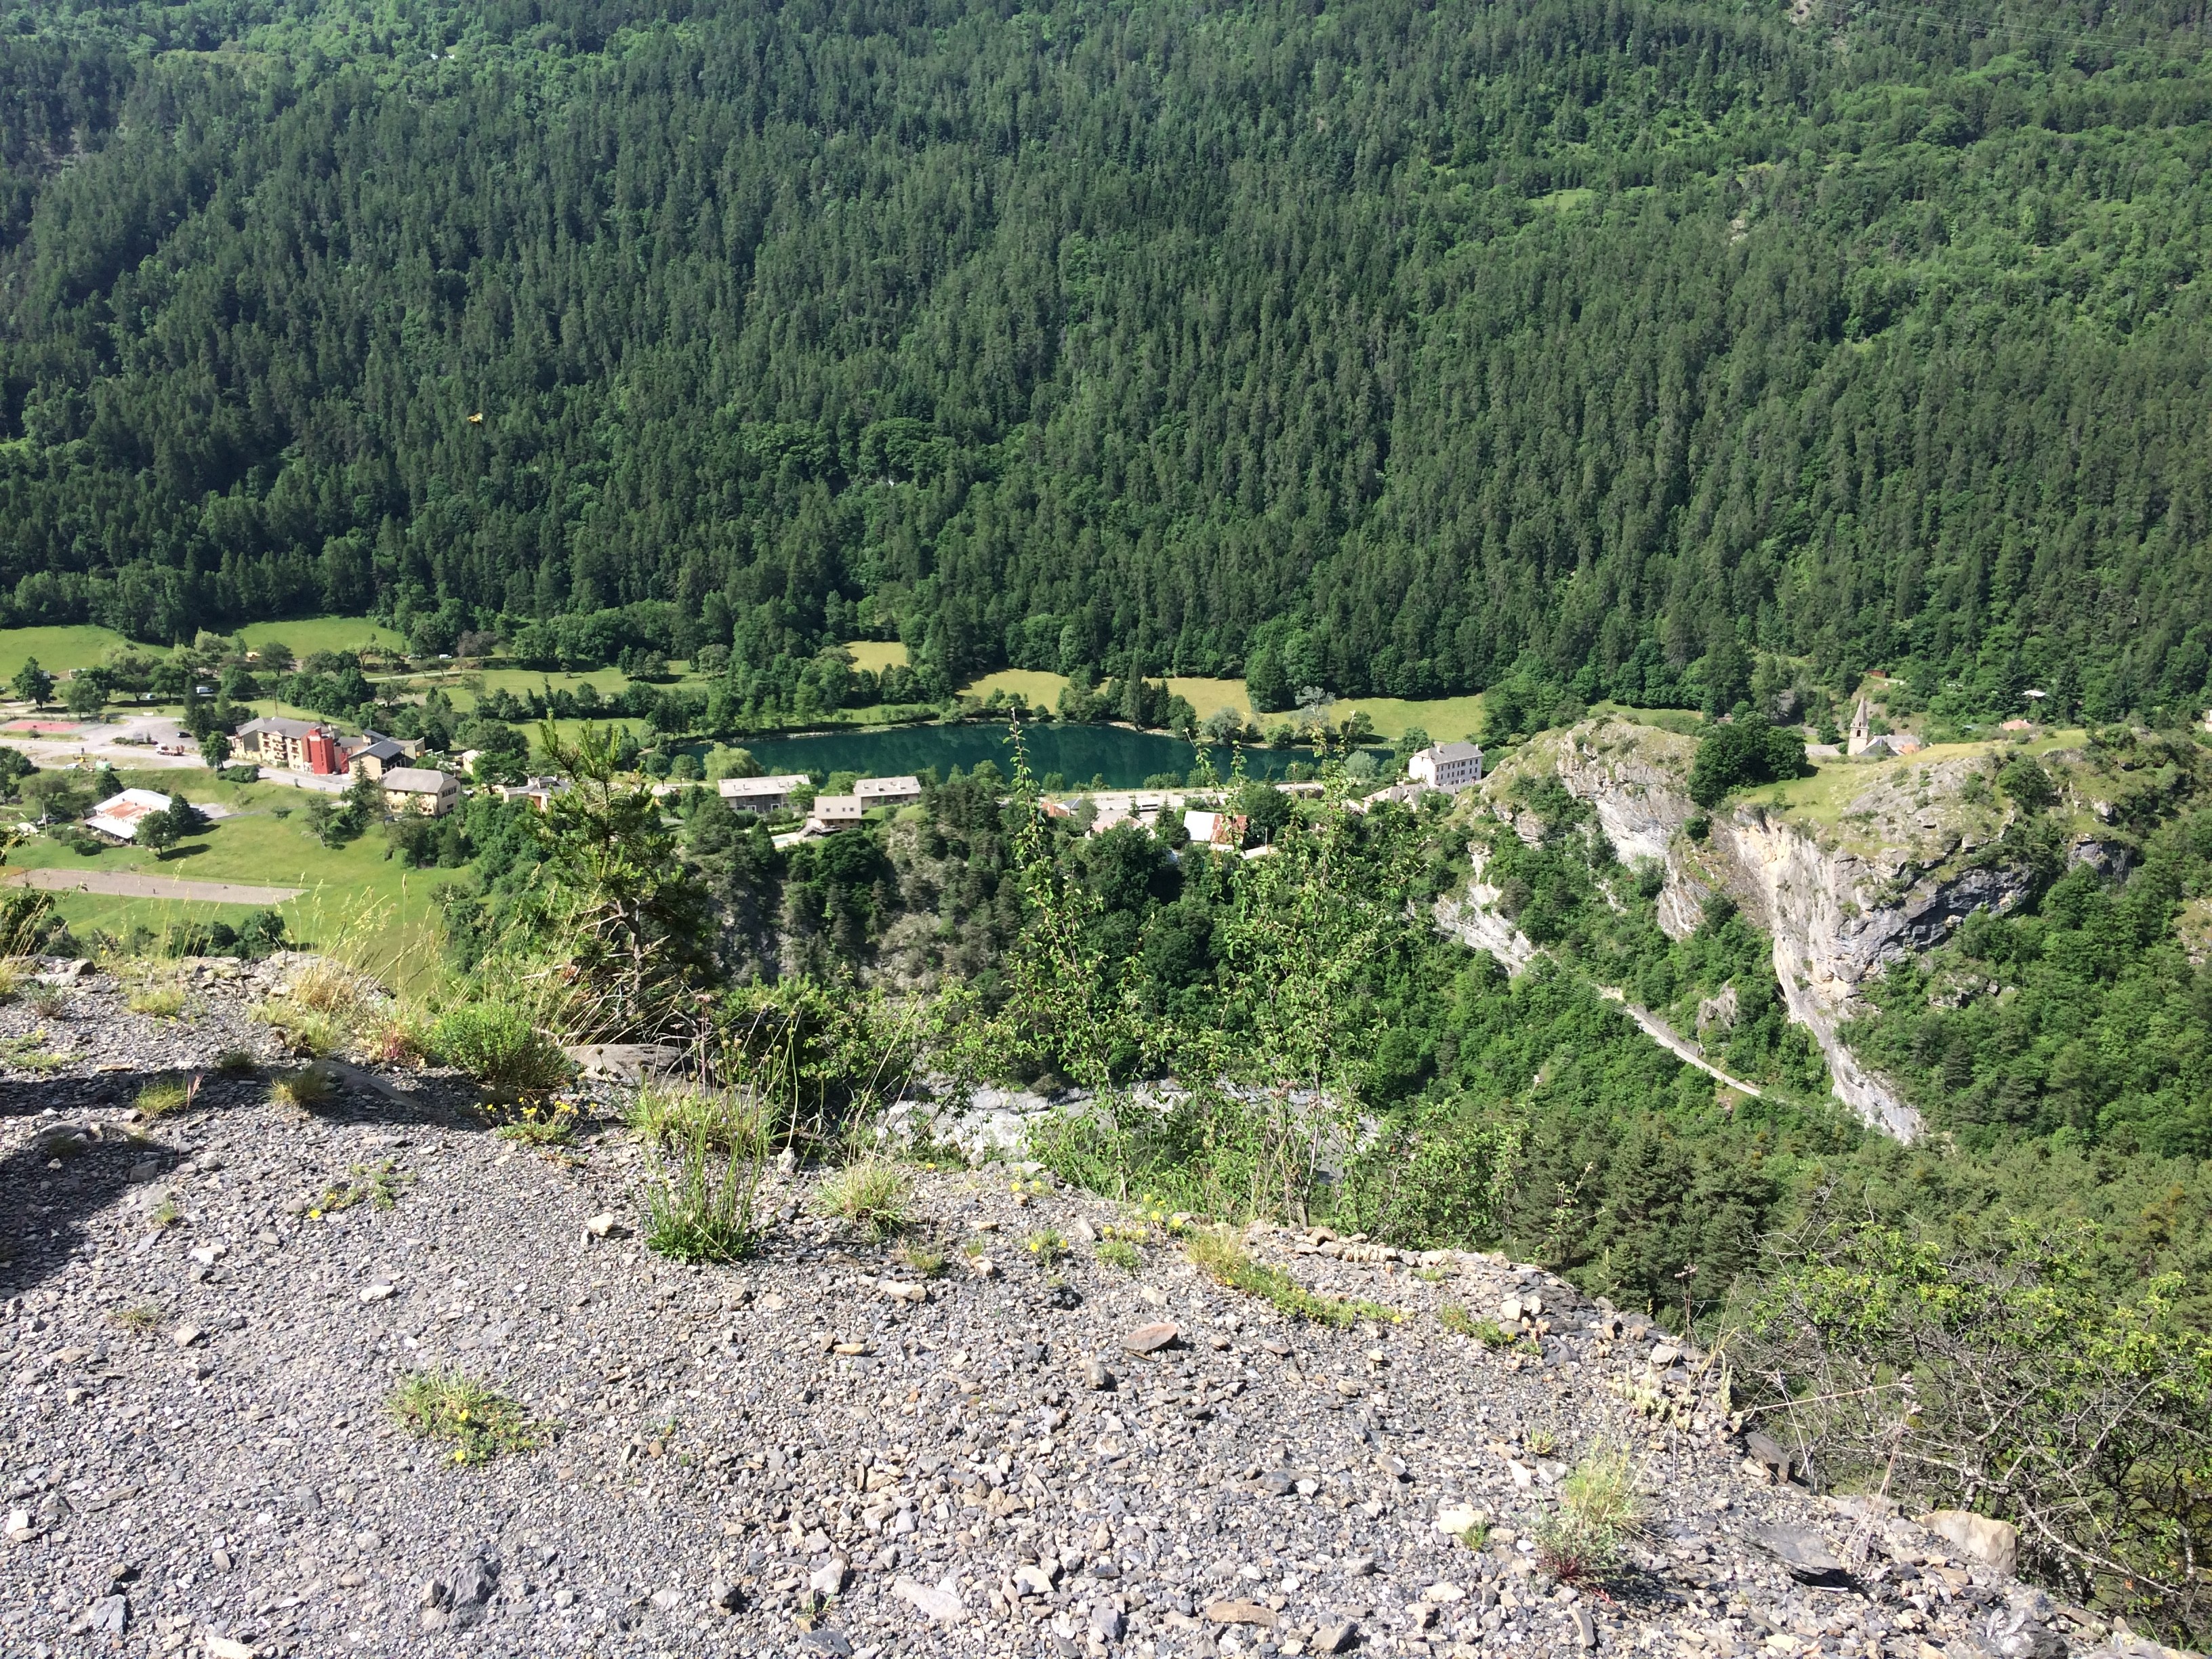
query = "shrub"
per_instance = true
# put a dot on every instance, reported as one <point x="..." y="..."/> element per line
<point x="2005" y="1378"/>
<point x="923" y="1261"/>
<point x="306" y="1032"/>
<point x="1120" y="1253"/>
<point x="495" y="1043"/>
<point x="669" y="1113"/>
<point x="1488" y="1332"/>
<point x="1743" y="753"/>
<point x="2028" y="785"/>
<point x="447" y="1406"/>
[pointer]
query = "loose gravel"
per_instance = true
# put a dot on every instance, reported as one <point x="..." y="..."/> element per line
<point x="820" y="1451"/>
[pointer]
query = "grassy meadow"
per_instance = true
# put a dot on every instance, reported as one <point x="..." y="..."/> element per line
<point x="380" y="911"/>
<point x="58" y="649"/>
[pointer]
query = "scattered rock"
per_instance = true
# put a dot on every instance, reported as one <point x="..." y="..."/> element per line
<point x="379" y="1292"/>
<point x="900" y="1291"/>
<point x="829" y="1578"/>
<point x="1800" y="1549"/>
<point x="1242" y="1613"/>
<point x="1151" y="1339"/>
<point x="1993" y="1543"/>
<point x="225" y="1647"/>
<point x="1766" y="1453"/>
<point x="109" y="1615"/>
<point x="1095" y="1375"/>
<point x="186" y="1336"/>
<point x="940" y="1602"/>
<point x="603" y="1225"/>
<point x="1335" y="1638"/>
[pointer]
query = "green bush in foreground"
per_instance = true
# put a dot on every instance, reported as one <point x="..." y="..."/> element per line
<point x="496" y="1043"/>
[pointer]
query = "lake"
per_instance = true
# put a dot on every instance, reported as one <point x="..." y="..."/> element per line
<point x="1116" y="756"/>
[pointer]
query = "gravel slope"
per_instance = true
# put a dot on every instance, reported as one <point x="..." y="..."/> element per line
<point x="790" y="1458"/>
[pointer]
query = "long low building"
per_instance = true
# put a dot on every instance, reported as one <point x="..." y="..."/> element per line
<point x="119" y="815"/>
<point x="763" y="795"/>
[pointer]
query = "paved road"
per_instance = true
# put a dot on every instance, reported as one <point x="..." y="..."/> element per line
<point x="120" y="884"/>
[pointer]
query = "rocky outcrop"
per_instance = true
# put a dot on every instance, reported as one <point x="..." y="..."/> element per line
<point x="1895" y="877"/>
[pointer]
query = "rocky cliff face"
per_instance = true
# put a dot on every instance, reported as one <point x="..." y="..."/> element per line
<point x="1887" y="871"/>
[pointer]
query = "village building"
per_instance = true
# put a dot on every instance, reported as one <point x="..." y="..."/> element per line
<point x="289" y="745"/>
<point x="537" y="791"/>
<point x="1214" y="828"/>
<point x="889" y="791"/>
<point x="834" y="813"/>
<point x="763" y="795"/>
<point x="419" y="790"/>
<point x="1450" y="767"/>
<point x="119" y="815"/>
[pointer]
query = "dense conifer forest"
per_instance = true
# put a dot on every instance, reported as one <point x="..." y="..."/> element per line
<point x="1381" y="346"/>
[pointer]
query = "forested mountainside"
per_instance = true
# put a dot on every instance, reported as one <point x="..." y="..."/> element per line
<point x="1379" y="346"/>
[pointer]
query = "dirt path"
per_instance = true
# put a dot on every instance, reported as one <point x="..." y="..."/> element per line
<point x="1673" y="1040"/>
<point x="124" y="884"/>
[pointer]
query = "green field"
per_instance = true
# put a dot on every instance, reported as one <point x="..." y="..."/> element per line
<point x="307" y="634"/>
<point x="76" y="646"/>
<point x="375" y="908"/>
<point x="875" y="655"/>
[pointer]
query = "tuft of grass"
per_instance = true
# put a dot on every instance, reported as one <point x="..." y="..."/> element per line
<point x="496" y="1043"/>
<point x="166" y="1094"/>
<point x="236" y="1062"/>
<point x="157" y="1001"/>
<point x="11" y="979"/>
<point x="140" y="1318"/>
<point x="49" y="1002"/>
<point x="305" y="1089"/>
<point x="1047" y="1245"/>
<point x="712" y="1152"/>
<point x="871" y="1193"/>
<point x="400" y="1043"/>
<point x="550" y="1124"/>
<point x="331" y="988"/>
<point x="168" y="1214"/>
<point x="1222" y="1259"/>
<point x="923" y="1261"/>
<point x="1598" y="1513"/>
<point x="1542" y="1442"/>
<point x="1120" y="1253"/>
<point x="481" y="1423"/>
<point x="671" y="1114"/>
<point x="1488" y="1332"/>
<point x="376" y="1185"/>
<point x="309" y="1032"/>
<point x="24" y="1054"/>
